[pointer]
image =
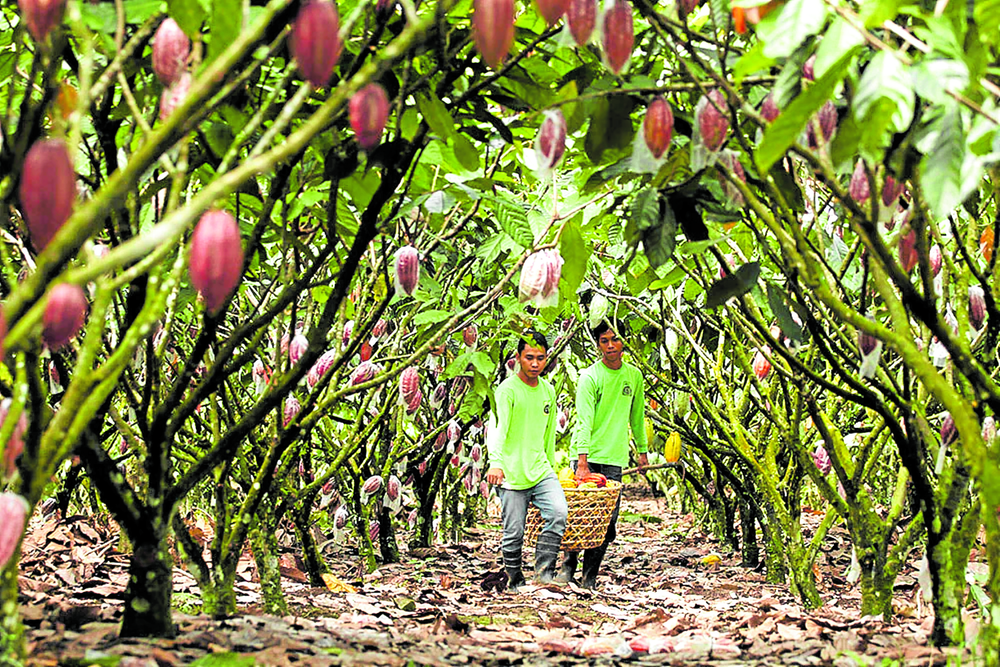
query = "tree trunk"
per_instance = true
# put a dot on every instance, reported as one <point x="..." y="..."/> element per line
<point x="876" y="582"/>
<point x="219" y="595"/>
<point x="748" y="528"/>
<point x="265" y="553"/>
<point x="387" y="537"/>
<point x="148" y="594"/>
<point x="315" y="566"/>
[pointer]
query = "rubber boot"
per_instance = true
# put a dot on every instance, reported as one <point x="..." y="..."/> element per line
<point x="546" y="555"/>
<point x="591" y="564"/>
<point x="567" y="572"/>
<point x="512" y="564"/>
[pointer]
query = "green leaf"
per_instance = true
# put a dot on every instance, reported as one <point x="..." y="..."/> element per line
<point x="596" y="140"/>
<point x="752" y="61"/>
<point x="189" y="15"/>
<point x="436" y="115"/>
<point x="658" y="240"/>
<point x="480" y="362"/>
<point x="776" y="297"/>
<point x="645" y="210"/>
<point x="933" y="78"/>
<point x="513" y="220"/>
<point x="885" y="78"/>
<point x="575" y="254"/>
<point x="227" y="19"/>
<point x="431" y="317"/>
<point x="840" y="39"/>
<point x="941" y="172"/>
<point x="735" y="284"/>
<point x="797" y="21"/>
<point x="787" y="127"/>
<point x="876" y="12"/>
<point x="466" y="153"/>
<point x="224" y="660"/>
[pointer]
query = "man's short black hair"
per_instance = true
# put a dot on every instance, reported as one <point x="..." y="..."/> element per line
<point x="598" y="331"/>
<point x="532" y="335"/>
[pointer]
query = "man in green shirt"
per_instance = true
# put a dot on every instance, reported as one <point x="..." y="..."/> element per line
<point x="610" y="398"/>
<point x="521" y="443"/>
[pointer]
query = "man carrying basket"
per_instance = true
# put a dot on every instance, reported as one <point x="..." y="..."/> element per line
<point x="610" y="397"/>
<point x="522" y="443"/>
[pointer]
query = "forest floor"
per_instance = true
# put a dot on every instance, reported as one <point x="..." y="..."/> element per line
<point x="661" y="590"/>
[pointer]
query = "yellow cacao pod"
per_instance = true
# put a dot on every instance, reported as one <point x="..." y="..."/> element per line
<point x="672" y="449"/>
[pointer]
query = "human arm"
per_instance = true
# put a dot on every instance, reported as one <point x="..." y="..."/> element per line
<point x="497" y="437"/>
<point x="585" y="406"/>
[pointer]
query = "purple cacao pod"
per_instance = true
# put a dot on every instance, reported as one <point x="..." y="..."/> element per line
<point x="413" y="404"/>
<point x="373" y="530"/>
<point x="470" y="335"/>
<point x="484" y="489"/>
<point x="977" y="307"/>
<point x="13" y="516"/>
<point x="40" y="16"/>
<point x="422" y="467"/>
<point x="493" y="29"/>
<point x="552" y="10"/>
<point x="328" y="488"/>
<point x="891" y="190"/>
<point x="47" y="189"/>
<point x="321" y="367"/>
<point x="712" y="120"/>
<point x="363" y="373"/>
<point x="534" y="274"/>
<point x="908" y="250"/>
<point x="562" y="421"/>
<point x="292" y="409"/>
<point x="216" y="261"/>
<point x="174" y="95"/>
<point x="407" y="269"/>
<point x="348" y="330"/>
<point x="297" y="347"/>
<point x="439" y="396"/>
<point x="441" y="441"/>
<point x="827" y="120"/>
<point x="15" y="445"/>
<point x="808" y="68"/>
<point x="822" y="460"/>
<point x="171" y="48"/>
<point x="859" y="189"/>
<point x="733" y="193"/>
<point x="315" y="41"/>
<point x="949" y="433"/>
<point x="618" y="35"/>
<point x="454" y="432"/>
<point x="372" y="485"/>
<point x="550" y="144"/>
<point x="379" y="329"/>
<point x="769" y="110"/>
<point x="581" y="17"/>
<point x="409" y="383"/>
<point x="411" y="518"/>
<point x="476" y="453"/>
<point x="369" y="111"/>
<point x="554" y="262"/>
<point x="935" y="258"/>
<point x="393" y="488"/>
<point x="340" y="517"/>
<point x="658" y="126"/>
<point x="65" y="313"/>
<point x="866" y="343"/>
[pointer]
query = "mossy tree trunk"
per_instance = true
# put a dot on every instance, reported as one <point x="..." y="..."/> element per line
<point x="11" y="630"/>
<point x="149" y="590"/>
<point x="264" y="543"/>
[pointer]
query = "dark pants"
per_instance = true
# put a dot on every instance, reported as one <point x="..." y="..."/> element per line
<point x="615" y="473"/>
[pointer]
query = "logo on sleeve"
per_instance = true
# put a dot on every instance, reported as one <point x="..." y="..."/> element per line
<point x="626" y="390"/>
<point x="546" y="409"/>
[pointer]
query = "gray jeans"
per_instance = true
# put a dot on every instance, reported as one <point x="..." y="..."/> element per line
<point x="547" y="496"/>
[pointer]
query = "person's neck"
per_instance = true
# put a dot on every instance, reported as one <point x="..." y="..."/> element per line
<point x="531" y="382"/>
<point x="615" y="366"/>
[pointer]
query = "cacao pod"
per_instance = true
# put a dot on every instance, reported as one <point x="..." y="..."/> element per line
<point x="859" y="189"/>
<point x="977" y="306"/>
<point x="216" y="261"/>
<point x="292" y="409"/>
<point x="422" y="466"/>
<point x="47" y="190"/>
<point x="534" y="274"/>
<point x="712" y="120"/>
<point x="15" y="445"/>
<point x="484" y="489"/>
<point x="64" y="315"/>
<point x="733" y="193"/>
<point x="476" y="453"/>
<point x="411" y="518"/>
<point x="658" y="126"/>
<point x="348" y="330"/>
<point x="297" y="347"/>
<point x="414" y="403"/>
<point x="171" y="48"/>
<point x="989" y="430"/>
<point x="174" y="95"/>
<point x="550" y="144"/>
<point x="493" y="29"/>
<point x="891" y="190"/>
<point x="809" y="68"/>
<point x="685" y="7"/>
<point x="409" y="383"/>
<point x="470" y="335"/>
<point x="13" y="516"/>
<point x="328" y="488"/>
<point x="552" y="10"/>
<point x="822" y="459"/>
<point x="379" y="329"/>
<point x="618" y="35"/>
<point x="949" y="433"/>
<point x="439" y="396"/>
<point x="867" y="343"/>
<point x="365" y="352"/>
<point x="908" y="250"/>
<point x="562" y="421"/>
<point x="259" y="375"/>
<point x="363" y="373"/>
<point x="441" y="441"/>
<point x="672" y="447"/>
<point x="393" y="487"/>
<point x="340" y="517"/>
<point x="321" y="367"/>
<point x="369" y="111"/>
<point x="986" y="244"/>
<point x="935" y="259"/>
<point x="581" y="17"/>
<point x="769" y="110"/>
<point x="454" y="432"/>
<point x="372" y="485"/>
<point x="315" y="41"/>
<point x="40" y="16"/>
<point x="761" y="366"/>
<point x="373" y="530"/>
<point x="407" y="269"/>
<point x="827" y="121"/>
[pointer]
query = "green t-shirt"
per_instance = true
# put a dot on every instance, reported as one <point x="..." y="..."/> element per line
<point x="607" y="402"/>
<point x="522" y="436"/>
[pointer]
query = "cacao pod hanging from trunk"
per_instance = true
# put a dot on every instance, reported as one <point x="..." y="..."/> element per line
<point x="315" y="41"/>
<point x="65" y="313"/>
<point x="712" y="118"/>
<point x="292" y="409"/>
<point x="550" y="144"/>
<point x="977" y="307"/>
<point x="171" y="48"/>
<point x="822" y="459"/>
<point x="493" y="29"/>
<point x="581" y="17"/>
<point x="40" y="16"/>
<point x="618" y="35"/>
<point x="216" y="261"/>
<point x="859" y="189"/>
<point x="552" y="10"/>
<point x="47" y="190"/>
<point x="369" y="111"/>
<point x="407" y="269"/>
<point x="672" y="447"/>
<point x="13" y="516"/>
<point x="658" y="127"/>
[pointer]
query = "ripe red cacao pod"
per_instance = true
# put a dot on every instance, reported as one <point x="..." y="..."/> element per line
<point x="363" y="373"/>
<point x="340" y="518"/>
<point x="977" y="307"/>
<point x="550" y="144"/>
<point x="441" y="441"/>
<point x="935" y="259"/>
<point x="216" y="261"/>
<point x="374" y="528"/>
<point x="552" y="10"/>
<point x="618" y="35"/>
<point x="822" y="460"/>
<point x="64" y="315"/>
<point x="949" y="433"/>
<point x="827" y="120"/>
<point x="393" y="487"/>
<point x="174" y="95"/>
<point x="379" y="329"/>
<point x="658" y="126"/>
<point x="581" y="17"/>
<point x="908" y="249"/>
<point x="712" y="119"/>
<point x="366" y="351"/>
<point x="40" y="16"/>
<point x="439" y="396"/>
<point x="470" y="335"/>
<point x="409" y="383"/>
<point x="891" y="190"/>
<point x="292" y="409"/>
<point x="372" y="484"/>
<point x="315" y="41"/>
<point x="493" y="29"/>
<point x="171" y="48"/>
<point x="414" y="402"/>
<point x="321" y="367"/>
<point x="13" y="516"/>
<point x="407" y="269"/>
<point x="369" y="111"/>
<point x="476" y="453"/>
<point x="297" y="347"/>
<point x="47" y="190"/>
<point x="859" y="189"/>
<point x="761" y="366"/>
<point x="769" y="110"/>
<point x="562" y="421"/>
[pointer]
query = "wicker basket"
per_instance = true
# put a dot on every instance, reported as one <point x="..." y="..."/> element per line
<point x="587" y="523"/>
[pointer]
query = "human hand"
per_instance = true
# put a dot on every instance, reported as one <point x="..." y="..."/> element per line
<point x="582" y="469"/>
<point x="494" y="476"/>
<point x="643" y="460"/>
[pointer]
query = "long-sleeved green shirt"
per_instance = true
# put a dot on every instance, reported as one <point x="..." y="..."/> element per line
<point x="607" y="402"/>
<point x="522" y="435"/>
